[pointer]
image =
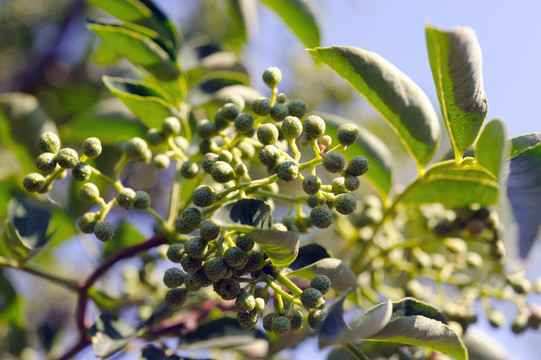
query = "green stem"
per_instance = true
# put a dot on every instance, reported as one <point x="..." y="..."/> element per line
<point x="116" y="184"/>
<point x="174" y="198"/>
<point x="355" y="351"/>
<point x="288" y="284"/>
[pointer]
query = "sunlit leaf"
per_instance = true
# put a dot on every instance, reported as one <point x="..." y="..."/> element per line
<point x="455" y="59"/>
<point x="490" y="148"/>
<point x="309" y="254"/>
<point x="341" y="276"/>
<point x="393" y="94"/>
<point x="109" y="335"/>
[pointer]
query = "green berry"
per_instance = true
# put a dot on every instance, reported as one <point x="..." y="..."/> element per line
<point x="261" y="106"/>
<point x="141" y="200"/>
<point x="247" y="150"/>
<point x="49" y="142"/>
<point x="281" y="325"/>
<point x="357" y="166"/>
<point x="297" y="320"/>
<point x="182" y="143"/>
<point x="237" y="100"/>
<point x="208" y="231"/>
<point x="321" y="283"/>
<point x="314" y="127"/>
<point x="334" y="162"/>
<point x="316" y="318"/>
<point x="175" y="298"/>
<point x="321" y="216"/>
<point x="312" y="298"/>
<point x="338" y="185"/>
<point x="345" y="204"/>
<point x="204" y="196"/>
<point x="279" y="112"/>
<point x="192" y="216"/>
<point x="259" y="304"/>
<point x="297" y="108"/>
<point x="189" y="264"/>
<point x="303" y="224"/>
<point x="268" y="319"/>
<point x="351" y="182"/>
<point x="281" y="98"/>
<point x="226" y="156"/>
<point x="228" y="289"/>
<point x="244" y="123"/>
<point x="87" y="222"/>
<point x="206" y="129"/>
<point x="90" y="192"/>
<point x="104" y="230"/>
<point x="496" y="318"/>
<point x="235" y="257"/>
<point x="195" y="247"/>
<point x="219" y="120"/>
<point x="291" y="127"/>
<point x="174" y="252"/>
<point x="125" y="197"/>
<point x="347" y="134"/>
<point x="46" y="162"/>
<point x="67" y="158"/>
<point x="245" y="302"/>
<point x="215" y="269"/>
<point x="222" y="172"/>
<point x="287" y="170"/>
<point x="171" y="126"/>
<point x="325" y="140"/>
<point x="182" y="226"/>
<point x="190" y="283"/>
<point x="201" y="278"/>
<point x="208" y="160"/>
<point x="312" y="200"/>
<point x="272" y="76"/>
<point x="245" y="243"/>
<point x="269" y="155"/>
<point x="230" y="111"/>
<point x="81" y="171"/>
<point x="267" y="134"/>
<point x="278" y="226"/>
<point x="137" y="149"/>
<point x="240" y="170"/>
<point x="248" y="320"/>
<point x="255" y="261"/>
<point x="155" y="136"/>
<point x="173" y="277"/>
<point x="161" y="161"/>
<point x="189" y="169"/>
<point x="520" y="324"/>
<point x="92" y="147"/>
<point x="311" y="184"/>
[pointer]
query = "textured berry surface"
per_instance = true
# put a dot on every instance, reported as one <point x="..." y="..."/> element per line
<point x="142" y="200"/>
<point x="312" y="298"/>
<point x="87" y="222"/>
<point x="338" y="185"/>
<point x="272" y="76"/>
<point x="190" y="284"/>
<point x="225" y="156"/>
<point x="192" y="216"/>
<point x="281" y="98"/>
<point x="175" y="298"/>
<point x="90" y="192"/>
<point x="91" y="147"/>
<point x="189" y="169"/>
<point x="235" y="257"/>
<point x="237" y="100"/>
<point x="248" y="320"/>
<point x="49" y="142"/>
<point x="228" y="289"/>
<point x="173" y="277"/>
<point x="345" y="204"/>
<point x="125" y="197"/>
<point x="291" y="127"/>
<point x="245" y="302"/>
<point x="279" y="111"/>
<point x="201" y="278"/>
<point x="230" y="111"/>
<point x="351" y="182"/>
<point x="195" y="247"/>
<point x="182" y="226"/>
<point x="269" y="155"/>
<point x="189" y="264"/>
<point x="255" y="261"/>
<point x="244" y="123"/>
<point x="155" y="136"/>
<point x="314" y="127"/>
<point x="46" y="162"/>
<point x="33" y="182"/>
<point x="67" y="158"/>
<point x="297" y="320"/>
<point x="222" y="172"/>
<point x="281" y="325"/>
<point x="136" y="149"/>
<point x="321" y="283"/>
<point x="297" y="108"/>
<point x="347" y="134"/>
<point x="161" y="161"/>
<point x="334" y="162"/>
<point x="245" y="243"/>
<point x="208" y="230"/>
<point x="174" y="252"/>
<point x="261" y="106"/>
<point x="268" y="319"/>
<point x="321" y="216"/>
<point x="215" y="269"/>
<point x="208" y="160"/>
<point x="171" y="126"/>
<point x="81" y="171"/>
<point x="287" y="170"/>
<point x="357" y="166"/>
<point x="204" y="196"/>
<point x="104" y="230"/>
<point x="267" y="134"/>
<point x="315" y="318"/>
<point x="311" y="184"/>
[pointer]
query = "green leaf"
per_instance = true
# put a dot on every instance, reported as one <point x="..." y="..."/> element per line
<point x="309" y="254"/>
<point x="490" y="148"/>
<point x="524" y="188"/>
<point x="144" y="13"/>
<point x="282" y="247"/>
<point x="393" y="94"/>
<point x="416" y="323"/>
<point x="455" y="59"/>
<point x="243" y="20"/>
<point x="378" y="155"/>
<point x="140" y="46"/>
<point x="145" y="100"/>
<point x="455" y="188"/>
<point x="342" y="278"/>
<point x="109" y="335"/>
<point x="298" y="15"/>
<point x="11" y="305"/>
<point x="125" y="235"/>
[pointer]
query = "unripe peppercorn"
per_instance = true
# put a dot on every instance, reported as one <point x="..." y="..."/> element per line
<point x="142" y="200"/>
<point x="357" y="166"/>
<point x="261" y="106"/>
<point x="173" y="277"/>
<point x="245" y="243"/>
<point x="190" y="264"/>
<point x="279" y="112"/>
<point x="321" y="216"/>
<point x="244" y="123"/>
<point x="104" y="230"/>
<point x="125" y="197"/>
<point x="347" y="134"/>
<point x="272" y="76"/>
<point x="215" y="269"/>
<point x="90" y="192"/>
<point x="240" y="170"/>
<point x="171" y="126"/>
<point x="192" y="216"/>
<point x="206" y="129"/>
<point x="175" y="298"/>
<point x="338" y="185"/>
<point x="314" y="127"/>
<point x="321" y="283"/>
<point x="230" y="111"/>
<point x="46" y="162"/>
<point x="255" y="261"/>
<point x="155" y="136"/>
<point x="325" y="141"/>
<point x="281" y="98"/>
<point x="281" y="325"/>
<point x="189" y="169"/>
<point x="81" y="171"/>
<point x="351" y="182"/>
<point x="208" y="231"/>
<point x="208" y="160"/>
<point x="345" y="204"/>
<point x="92" y="147"/>
<point x="297" y="320"/>
<point x="201" y="279"/>
<point x="49" y="142"/>
<point x="245" y="302"/>
<point x="237" y="100"/>
<point x="291" y="127"/>
<point x="235" y="257"/>
<point x="297" y="108"/>
<point x="268" y="319"/>
<point x="269" y="155"/>
<point x="204" y="196"/>
<point x="267" y="134"/>
<point x="136" y="149"/>
<point x="315" y="318"/>
<point x="222" y="172"/>
<point x="182" y="227"/>
<point x="248" y="320"/>
<point x="195" y="247"/>
<point x="161" y="161"/>
<point x="287" y="170"/>
<point x="87" y="222"/>
<point x="312" y="298"/>
<point x="228" y="288"/>
<point x="67" y="158"/>
<point x="334" y="162"/>
<point x="174" y="252"/>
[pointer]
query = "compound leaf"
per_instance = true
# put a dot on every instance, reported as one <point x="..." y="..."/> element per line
<point x="393" y="94"/>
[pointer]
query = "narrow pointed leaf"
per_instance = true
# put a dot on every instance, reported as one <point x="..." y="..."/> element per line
<point x="140" y="46"/>
<point x="524" y="188"/>
<point x="109" y="335"/>
<point x="378" y="155"/>
<point x="490" y="149"/>
<point x="149" y="103"/>
<point x="392" y="93"/>
<point x="455" y="59"/>
<point x="299" y="16"/>
<point x="341" y="276"/>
